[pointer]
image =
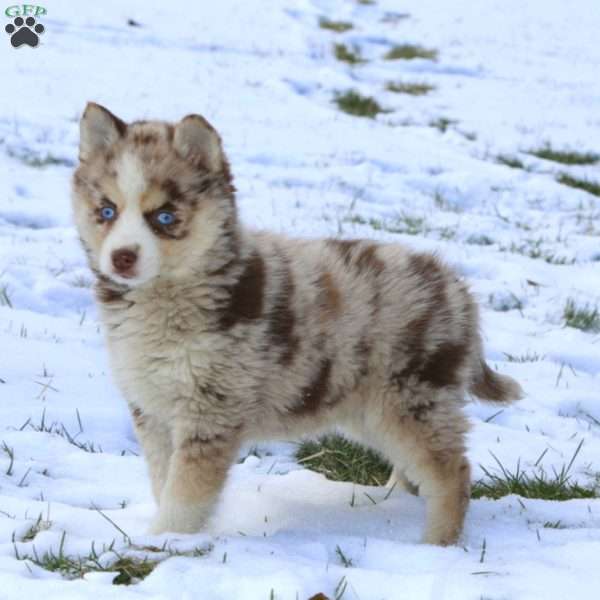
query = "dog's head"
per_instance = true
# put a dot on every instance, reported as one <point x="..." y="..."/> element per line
<point x="151" y="199"/>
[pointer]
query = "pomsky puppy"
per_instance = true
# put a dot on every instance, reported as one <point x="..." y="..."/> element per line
<point x="218" y="335"/>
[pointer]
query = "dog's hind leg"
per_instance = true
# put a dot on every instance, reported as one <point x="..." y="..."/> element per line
<point x="424" y="440"/>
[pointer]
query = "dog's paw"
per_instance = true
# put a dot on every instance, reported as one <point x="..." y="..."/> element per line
<point x="178" y="518"/>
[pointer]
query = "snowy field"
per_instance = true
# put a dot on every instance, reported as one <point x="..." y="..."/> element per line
<point x="510" y="76"/>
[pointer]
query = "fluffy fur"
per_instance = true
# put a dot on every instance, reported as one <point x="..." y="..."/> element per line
<point x="218" y="335"/>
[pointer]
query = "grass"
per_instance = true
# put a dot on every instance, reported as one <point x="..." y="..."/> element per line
<point x="410" y="52"/>
<point x="10" y="452"/>
<point x="480" y="240"/>
<point x="354" y="103"/>
<point x="443" y="202"/>
<point x="413" y="89"/>
<point x="407" y="224"/>
<point x="532" y="248"/>
<point x="33" y="159"/>
<point x="565" y="157"/>
<point x="442" y="123"/>
<point x="393" y="17"/>
<point x="554" y="525"/>
<point x="129" y="569"/>
<point x="586" y="318"/>
<point x="555" y="486"/>
<point x="591" y="187"/>
<point x="59" y="429"/>
<point x="337" y="26"/>
<point x="352" y="56"/>
<point x="40" y="524"/>
<point x="510" y="161"/>
<point x="347" y="562"/>
<point x="4" y="296"/>
<point x="340" y="459"/>
<point x="523" y="358"/>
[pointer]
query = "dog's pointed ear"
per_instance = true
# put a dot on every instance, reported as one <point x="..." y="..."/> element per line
<point x="98" y="130"/>
<point x="196" y="140"/>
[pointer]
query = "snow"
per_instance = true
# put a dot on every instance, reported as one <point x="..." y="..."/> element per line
<point x="513" y="76"/>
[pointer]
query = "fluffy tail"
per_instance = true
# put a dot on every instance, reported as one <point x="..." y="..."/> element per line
<point x="494" y="387"/>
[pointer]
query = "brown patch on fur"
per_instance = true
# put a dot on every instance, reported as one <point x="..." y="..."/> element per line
<point x="109" y="292"/>
<point x="200" y="444"/>
<point x="362" y="350"/>
<point x="441" y="368"/>
<point x="138" y="416"/>
<point x="228" y="251"/>
<point x="172" y="190"/>
<point x="344" y="247"/>
<point x="363" y="257"/>
<point x="425" y="266"/>
<point x="420" y="410"/>
<point x="280" y="330"/>
<point x="329" y="299"/>
<point x="145" y="138"/>
<point x="412" y="343"/>
<point x="247" y="294"/>
<point x="367" y="260"/>
<point x="315" y="392"/>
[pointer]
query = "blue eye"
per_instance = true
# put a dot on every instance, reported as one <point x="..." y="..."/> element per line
<point x="165" y="218"/>
<point x="108" y="213"/>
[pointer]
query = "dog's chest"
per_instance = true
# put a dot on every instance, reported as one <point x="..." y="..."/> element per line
<point x="160" y="357"/>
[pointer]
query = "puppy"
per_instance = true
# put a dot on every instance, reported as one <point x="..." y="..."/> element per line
<point x="218" y="334"/>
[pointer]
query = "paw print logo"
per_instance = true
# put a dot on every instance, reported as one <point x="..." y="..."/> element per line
<point x="24" y="32"/>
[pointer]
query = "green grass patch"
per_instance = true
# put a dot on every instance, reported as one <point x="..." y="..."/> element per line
<point x="442" y="123"/>
<point x="340" y="459"/>
<point x="510" y="161"/>
<point x="565" y="157"/>
<point x="527" y="357"/>
<point x="480" y="240"/>
<point x="410" y="52"/>
<point x="337" y="26"/>
<point x="129" y="569"/>
<point x="555" y="486"/>
<point x="413" y="89"/>
<point x="33" y="159"/>
<point x="40" y="524"/>
<point x="4" y="296"/>
<point x="356" y="104"/>
<point x="394" y="17"/>
<point x="407" y="224"/>
<point x="586" y="318"/>
<point x="534" y="249"/>
<point x="554" y="525"/>
<point x="591" y="187"/>
<point x="344" y="53"/>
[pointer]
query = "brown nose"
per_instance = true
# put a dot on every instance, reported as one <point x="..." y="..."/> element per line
<point x="124" y="260"/>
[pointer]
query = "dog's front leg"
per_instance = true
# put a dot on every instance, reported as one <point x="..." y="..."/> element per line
<point x="155" y="438"/>
<point x="196" y="474"/>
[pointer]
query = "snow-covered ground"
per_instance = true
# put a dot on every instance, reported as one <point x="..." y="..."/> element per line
<point x="511" y="76"/>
